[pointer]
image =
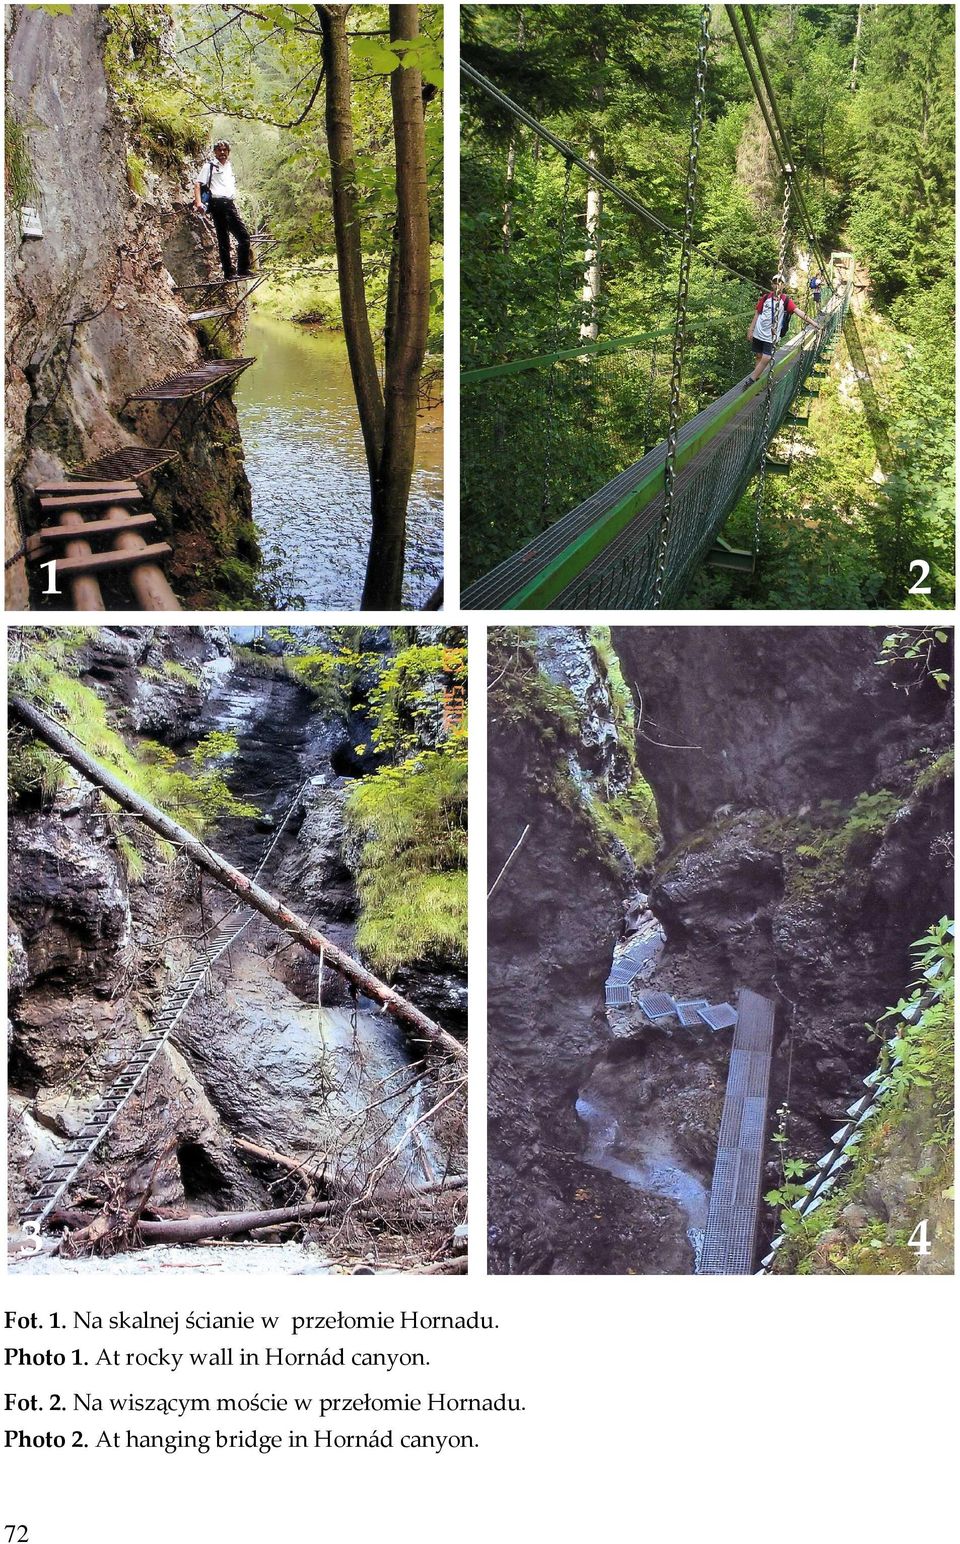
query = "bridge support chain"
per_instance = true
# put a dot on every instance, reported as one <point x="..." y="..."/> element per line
<point x="212" y="863"/>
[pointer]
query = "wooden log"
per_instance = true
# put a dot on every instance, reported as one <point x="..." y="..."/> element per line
<point x="148" y="582"/>
<point x="84" y="589"/>
<point x="310" y="1168"/>
<point x="232" y="879"/>
<point x="87" y="485"/>
<point x="189" y="1230"/>
<point x="51" y="504"/>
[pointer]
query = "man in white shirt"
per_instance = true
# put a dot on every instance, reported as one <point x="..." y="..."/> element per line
<point x="769" y="324"/>
<point x="218" y="180"/>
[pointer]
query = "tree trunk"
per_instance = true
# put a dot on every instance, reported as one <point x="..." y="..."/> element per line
<point x="590" y="325"/>
<point x="408" y="333"/>
<point x="512" y="155"/>
<point x="346" y="223"/>
<point x="232" y="879"/>
<point x="856" y="49"/>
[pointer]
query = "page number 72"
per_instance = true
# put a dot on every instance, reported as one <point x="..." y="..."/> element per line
<point x="16" y="1533"/>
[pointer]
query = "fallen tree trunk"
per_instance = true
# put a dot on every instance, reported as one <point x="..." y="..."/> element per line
<point x="189" y="1230"/>
<point x="232" y="879"/>
<point x="310" y="1168"/>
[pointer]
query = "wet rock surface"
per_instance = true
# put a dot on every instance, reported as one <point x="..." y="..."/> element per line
<point x="261" y="1055"/>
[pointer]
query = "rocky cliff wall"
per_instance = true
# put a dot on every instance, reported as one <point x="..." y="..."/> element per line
<point x="116" y="257"/>
<point x="551" y="925"/>
<point x="806" y="806"/>
<point x="96" y="936"/>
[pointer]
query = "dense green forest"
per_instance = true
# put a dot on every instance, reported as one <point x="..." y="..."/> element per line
<point x="866" y="94"/>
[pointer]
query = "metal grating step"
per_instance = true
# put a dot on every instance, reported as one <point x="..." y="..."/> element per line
<point x="130" y="461"/>
<point x="617" y="995"/>
<point x="688" y="1012"/>
<point x="190" y="383"/>
<point x="657" y="1005"/>
<point x="720" y="1016"/>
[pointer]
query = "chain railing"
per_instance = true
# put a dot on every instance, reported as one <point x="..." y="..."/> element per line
<point x="683" y="287"/>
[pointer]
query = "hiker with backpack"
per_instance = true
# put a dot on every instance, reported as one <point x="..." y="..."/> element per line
<point x="214" y="193"/>
<point x="769" y="325"/>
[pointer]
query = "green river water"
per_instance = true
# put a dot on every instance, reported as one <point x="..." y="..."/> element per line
<point x="305" y="462"/>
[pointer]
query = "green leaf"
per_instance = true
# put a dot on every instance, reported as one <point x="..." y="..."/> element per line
<point x="378" y="55"/>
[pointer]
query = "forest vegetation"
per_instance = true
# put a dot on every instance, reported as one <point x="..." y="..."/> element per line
<point x="867" y="97"/>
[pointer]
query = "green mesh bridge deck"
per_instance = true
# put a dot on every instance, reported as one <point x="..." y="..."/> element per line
<point x="603" y="552"/>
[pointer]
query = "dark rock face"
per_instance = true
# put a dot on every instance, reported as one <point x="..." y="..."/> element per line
<point x="551" y="923"/>
<point x="105" y="250"/>
<point x="775" y="717"/>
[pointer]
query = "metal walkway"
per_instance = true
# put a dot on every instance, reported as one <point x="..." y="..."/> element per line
<point x="76" y="1154"/>
<point x="730" y="1242"/>
<point x="190" y="383"/>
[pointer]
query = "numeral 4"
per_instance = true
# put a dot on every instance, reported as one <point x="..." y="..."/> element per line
<point x="918" y="1239"/>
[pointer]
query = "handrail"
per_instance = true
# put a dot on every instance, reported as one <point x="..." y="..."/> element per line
<point x="603" y="346"/>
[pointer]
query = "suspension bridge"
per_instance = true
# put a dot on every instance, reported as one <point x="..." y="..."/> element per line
<point x="667" y="411"/>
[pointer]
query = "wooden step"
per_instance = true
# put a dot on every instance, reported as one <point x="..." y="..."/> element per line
<point x="203" y="316"/>
<point x="100" y="562"/>
<point x="113" y="527"/>
<point x="50" y="505"/>
<point x="125" y="486"/>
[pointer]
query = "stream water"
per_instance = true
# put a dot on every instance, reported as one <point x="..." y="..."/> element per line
<point x="305" y="462"/>
<point x="290" y="1048"/>
<point x="625" y="1135"/>
<point x="652" y="1165"/>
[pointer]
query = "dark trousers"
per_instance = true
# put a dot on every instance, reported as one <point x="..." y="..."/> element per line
<point x="227" y="223"/>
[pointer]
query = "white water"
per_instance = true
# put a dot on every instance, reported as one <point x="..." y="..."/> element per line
<point x="657" y="1169"/>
